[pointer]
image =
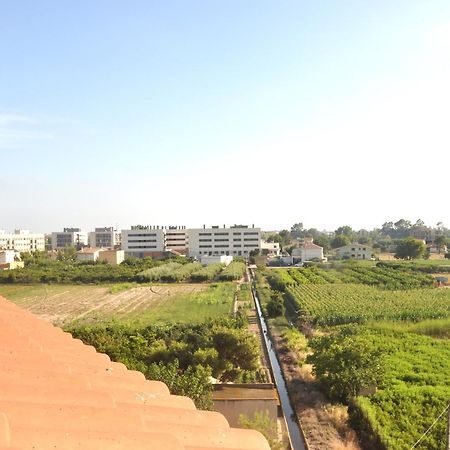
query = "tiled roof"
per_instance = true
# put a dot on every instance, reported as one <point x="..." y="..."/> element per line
<point x="57" y="393"/>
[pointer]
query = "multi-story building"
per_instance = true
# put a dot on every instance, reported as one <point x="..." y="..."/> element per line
<point x="106" y="237"/>
<point x="143" y="241"/>
<point x="22" y="241"/>
<point x="270" y="248"/>
<point x="238" y="240"/>
<point x="69" y="237"/>
<point x="176" y="239"/>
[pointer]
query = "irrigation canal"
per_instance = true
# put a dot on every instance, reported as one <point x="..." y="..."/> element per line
<point x="295" y="434"/>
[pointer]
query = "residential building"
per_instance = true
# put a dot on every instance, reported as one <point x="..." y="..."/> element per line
<point x="238" y="240"/>
<point x="307" y="251"/>
<point x="144" y="240"/>
<point x="22" y="241"/>
<point x="106" y="237"/>
<point x="69" y="237"/>
<point x="113" y="257"/>
<point x="354" y="251"/>
<point x="6" y="256"/>
<point x="270" y="249"/>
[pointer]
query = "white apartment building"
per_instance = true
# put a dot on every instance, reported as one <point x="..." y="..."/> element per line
<point x="176" y="239"/>
<point x="72" y="237"/>
<point x="238" y="240"/>
<point x="22" y="241"/>
<point x="143" y="241"/>
<point x="106" y="237"/>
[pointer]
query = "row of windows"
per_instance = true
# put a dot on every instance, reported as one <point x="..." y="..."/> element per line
<point x="142" y="246"/>
<point x="142" y="235"/>
<point x="142" y="240"/>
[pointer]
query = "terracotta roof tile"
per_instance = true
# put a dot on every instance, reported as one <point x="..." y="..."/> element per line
<point x="56" y="392"/>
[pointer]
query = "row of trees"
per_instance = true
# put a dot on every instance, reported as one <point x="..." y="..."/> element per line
<point x="390" y="234"/>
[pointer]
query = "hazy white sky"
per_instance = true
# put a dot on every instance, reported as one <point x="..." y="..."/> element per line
<point x="224" y="112"/>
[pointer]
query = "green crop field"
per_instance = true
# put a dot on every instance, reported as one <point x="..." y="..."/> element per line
<point x="64" y="304"/>
<point x="415" y="390"/>
<point x="339" y="304"/>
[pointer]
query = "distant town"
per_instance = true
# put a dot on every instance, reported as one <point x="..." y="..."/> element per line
<point x="220" y="244"/>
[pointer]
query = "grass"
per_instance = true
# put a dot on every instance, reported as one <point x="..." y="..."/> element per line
<point x="182" y="303"/>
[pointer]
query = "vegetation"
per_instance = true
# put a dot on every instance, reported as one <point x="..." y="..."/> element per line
<point x="181" y="355"/>
<point x="410" y="248"/>
<point x="340" y="304"/>
<point x="64" y="304"/>
<point x="234" y="271"/>
<point x="383" y="276"/>
<point x="378" y="341"/>
<point x="206" y="273"/>
<point x="261" y="422"/>
<point x="346" y="362"/>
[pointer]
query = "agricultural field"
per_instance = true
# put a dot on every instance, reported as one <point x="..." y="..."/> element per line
<point x="400" y="314"/>
<point x="415" y="390"/>
<point x="339" y="304"/>
<point x="65" y="304"/>
<point x="383" y="277"/>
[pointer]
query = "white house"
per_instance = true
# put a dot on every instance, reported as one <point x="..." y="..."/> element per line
<point x="88" y="254"/>
<point x="6" y="256"/>
<point x="354" y="251"/>
<point x="307" y="251"/>
<point x="270" y="248"/>
<point x="237" y="240"/>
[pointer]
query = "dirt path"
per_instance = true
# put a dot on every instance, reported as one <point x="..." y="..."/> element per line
<point x="324" y="424"/>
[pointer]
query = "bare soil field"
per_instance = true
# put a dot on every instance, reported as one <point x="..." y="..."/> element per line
<point x="64" y="304"/>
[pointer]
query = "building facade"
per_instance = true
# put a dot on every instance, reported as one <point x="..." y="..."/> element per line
<point x="270" y="248"/>
<point x="106" y="237"/>
<point x="22" y="241"/>
<point x="238" y="240"/>
<point x="176" y="239"/>
<point x="69" y="237"/>
<point x="142" y="241"/>
<point x="354" y="251"/>
<point x="307" y="251"/>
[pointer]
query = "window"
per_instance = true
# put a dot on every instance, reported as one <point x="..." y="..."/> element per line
<point x="204" y="240"/>
<point x="205" y="246"/>
<point x="220" y="234"/>
<point x="221" y="246"/>
<point x="220" y="240"/>
<point x="251" y="233"/>
<point x="204" y="234"/>
<point x="251" y="239"/>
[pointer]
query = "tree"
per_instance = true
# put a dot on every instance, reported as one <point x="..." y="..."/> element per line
<point x="345" y="230"/>
<point x="323" y="241"/>
<point x="237" y="350"/>
<point x="297" y="230"/>
<point x="410" y="248"/>
<point x="346" y="362"/>
<point x="275" y="306"/>
<point x="339" y="241"/>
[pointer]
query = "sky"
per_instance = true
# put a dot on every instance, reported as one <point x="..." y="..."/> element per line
<point x="221" y="112"/>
